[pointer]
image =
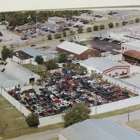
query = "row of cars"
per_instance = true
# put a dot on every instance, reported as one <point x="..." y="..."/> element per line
<point x="108" y="40"/>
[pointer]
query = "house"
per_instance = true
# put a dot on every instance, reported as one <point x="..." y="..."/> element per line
<point x="79" y="51"/>
<point x="106" y="66"/>
<point x="28" y="55"/>
<point x="56" y="20"/>
<point x="20" y="73"/>
<point x="92" y="129"/>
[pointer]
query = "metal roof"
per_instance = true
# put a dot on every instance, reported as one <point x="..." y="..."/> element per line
<point x="132" y="44"/>
<point x="7" y="80"/>
<point x="101" y="63"/>
<point x="93" y="129"/>
<point x="72" y="47"/>
<point x="19" y="72"/>
<point x="33" y="52"/>
<point x="132" y="53"/>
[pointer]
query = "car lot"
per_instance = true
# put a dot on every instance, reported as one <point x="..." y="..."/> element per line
<point x="61" y="91"/>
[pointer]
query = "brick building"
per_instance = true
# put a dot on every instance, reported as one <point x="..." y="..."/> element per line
<point x="80" y="52"/>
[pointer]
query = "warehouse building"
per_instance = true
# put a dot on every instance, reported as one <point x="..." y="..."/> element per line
<point x="135" y="45"/>
<point x="92" y="129"/>
<point x="80" y="52"/>
<point x="106" y="66"/>
<point x="7" y="81"/>
<point x="27" y="56"/>
<point x="23" y="75"/>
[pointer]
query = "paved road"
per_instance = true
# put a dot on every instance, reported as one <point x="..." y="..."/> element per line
<point x="40" y="136"/>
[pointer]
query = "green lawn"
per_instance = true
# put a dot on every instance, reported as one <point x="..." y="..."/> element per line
<point x="35" y="68"/>
<point x="134" y="124"/>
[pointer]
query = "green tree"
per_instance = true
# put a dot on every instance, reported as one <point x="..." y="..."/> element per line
<point x="123" y="23"/>
<point x="62" y="57"/>
<point x="39" y="59"/>
<point x="32" y="120"/>
<point x="102" y="27"/>
<point x="49" y="37"/>
<point x="80" y="30"/>
<point x="57" y="36"/>
<point x="79" y="112"/>
<point x="0" y="40"/>
<point x="89" y="29"/>
<point x="64" y="34"/>
<point x="137" y="20"/>
<point x="110" y="13"/>
<point x="51" y="64"/>
<point x="6" y="52"/>
<point x="117" y="24"/>
<point x="95" y="28"/>
<point x="110" y="25"/>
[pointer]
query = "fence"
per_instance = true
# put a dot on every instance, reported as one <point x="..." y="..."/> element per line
<point x="122" y="84"/>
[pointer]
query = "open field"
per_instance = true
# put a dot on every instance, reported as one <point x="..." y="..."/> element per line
<point x="132" y="16"/>
<point x="134" y="124"/>
<point x="35" y="68"/>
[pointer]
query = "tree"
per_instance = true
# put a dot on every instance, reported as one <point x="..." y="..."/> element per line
<point x="62" y="57"/>
<point x="89" y="29"/>
<point x="80" y="30"/>
<point x="117" y="24"/>
<point x="51" y="64"/>
<point x="6" y="52"/>
<point x="49" y="37"/>
<point x="79" y="112"/>
<point x="64" y="34"/>
<point x="110" y="13"/>
<point x="137" y="20"/>
<point x="110" y="25"/>
<point x="102" y="27"/>
<point x="123" y="23"/>
<point x="95" y="28"/>
<point x="57" y="36"/>
<point x="39" y="59"/>
<point x="32" y="120"/>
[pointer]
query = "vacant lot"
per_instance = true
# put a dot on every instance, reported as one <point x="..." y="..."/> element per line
<point x="35" y="68"/>
<point x="134" y="124"/>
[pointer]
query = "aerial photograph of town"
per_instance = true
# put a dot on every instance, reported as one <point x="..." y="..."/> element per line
<point x="70" y="75"/>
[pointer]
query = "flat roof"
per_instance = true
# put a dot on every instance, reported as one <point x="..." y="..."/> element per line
<point x="72" y="47"/>
<point x="132" y="53"/>
<point x="101" y="63"/>
<point x="33" y="52"/>
<point x="132" y="44"/>
<point x="94" y="129"/>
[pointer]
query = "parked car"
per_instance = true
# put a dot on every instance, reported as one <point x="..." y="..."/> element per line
<point x="61" y="40"/>
<point x="33" y="45"/>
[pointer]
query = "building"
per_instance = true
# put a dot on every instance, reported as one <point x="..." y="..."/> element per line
<point x="92" y="129"/>
<point x="56" y="20"/>
<point x="25" y="27"/>
<point x="7" y="81"/>
<point x="80" y="52"/>
<point x="135" y="45"/>
<point x="132" y="57"/>
<point x="106" y="66"/>
<point x="23" y="75"/>
<point x="28" y="55"/>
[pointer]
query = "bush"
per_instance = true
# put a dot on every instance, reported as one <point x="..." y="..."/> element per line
<point x="110" y="25"/>
<point x="49" y="37"/>
<point x="80" y="30"/>
<point x="32" y="120"/>
<point x="137" y="20"/>
<point x="57" y="36"/>
<point x="89" y="29"/>
<point x="95" y="28"/>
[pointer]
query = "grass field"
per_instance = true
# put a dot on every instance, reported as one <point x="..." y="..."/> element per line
<point x="134" y="124"/>
<point x="132" y="16"/>
<point x="35" y="68"/>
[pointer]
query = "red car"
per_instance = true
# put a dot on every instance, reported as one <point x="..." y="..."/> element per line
<point x="61" y="40"/>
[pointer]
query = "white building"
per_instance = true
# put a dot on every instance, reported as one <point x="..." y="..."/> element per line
<point x="106" y="66"/>
<point x="94" y="129"/>
<point x="56" y="20"/>
<point x="135" y="45"/>
<point x="27" y="56"/>
<point x="23" y="75"/>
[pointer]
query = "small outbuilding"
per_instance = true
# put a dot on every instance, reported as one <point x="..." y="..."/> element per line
<point x="80" y="52"/>
<point x="106" y="66"/>
<point x="23" y="75"/>
<point x="93" y="129"/>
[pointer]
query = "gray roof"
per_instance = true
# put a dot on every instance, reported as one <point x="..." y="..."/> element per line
<point x="92" y="129"/>
<point x="19" y="72"/>
<point x="132" y="44"/>
<point x="72" y="47"/>
<point x="7" y="80"/>
<point x="33" y="52"/>
<point x="101" y="63"/>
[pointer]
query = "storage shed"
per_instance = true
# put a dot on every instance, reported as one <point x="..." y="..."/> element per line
<point x="7" y="81"/>
<point x="23" y="75"/>
<point x="93" y="129"/>
<point x="106" y="66"/>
